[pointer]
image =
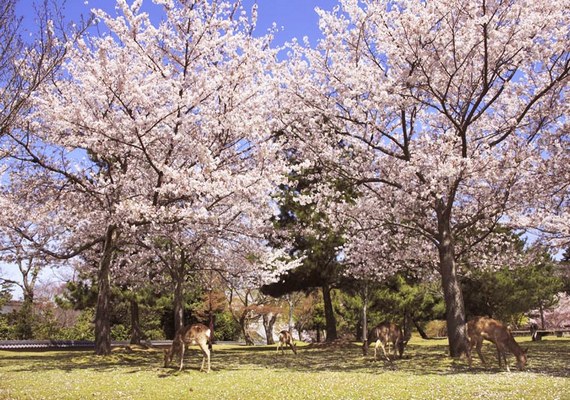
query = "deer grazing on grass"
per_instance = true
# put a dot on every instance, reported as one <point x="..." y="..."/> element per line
<point x="385" y="334"/>
<point x="285" y="338"/>
<point x="483" y="328"/>
<point x="191" y="334"/>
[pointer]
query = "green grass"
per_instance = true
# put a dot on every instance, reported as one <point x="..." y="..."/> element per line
<point x="317" y="372"/>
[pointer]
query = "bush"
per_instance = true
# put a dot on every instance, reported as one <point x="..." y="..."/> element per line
<point x="226" y="328"/>
<point x="120" y="332"/>
<point x="436" y="328"/>
<point x="83" y="328"/>
<point x="7" y="331"/>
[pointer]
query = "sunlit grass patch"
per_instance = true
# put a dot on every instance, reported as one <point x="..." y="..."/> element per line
<point x="316" y="372"/>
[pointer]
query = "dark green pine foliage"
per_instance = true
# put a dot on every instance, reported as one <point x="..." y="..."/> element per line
<point x="508" y="294"/>
<point x="309" y="234"/>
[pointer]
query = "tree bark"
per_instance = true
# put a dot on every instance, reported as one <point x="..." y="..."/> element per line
<point x="178" y="300"/>
<point x="408" y="323"/>
<point x="268" y="323"/>
<point x="136" y="331"/>
<point x="291" y="320"/>
<point x="330" y="319"/>
<point x="102" y="312"/>
<point x="422" y="333"/>
<point x="454" y="306"/>
<point x="365" y="312"/>
<point x="245" y="329"/>
<point x="211" y="317"/>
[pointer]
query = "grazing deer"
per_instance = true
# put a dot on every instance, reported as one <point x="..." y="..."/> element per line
<point x="191" y="334"/>
<point x="494" y="331"/>
<point x="285" y="338"/>
<point x="385" y="334"/>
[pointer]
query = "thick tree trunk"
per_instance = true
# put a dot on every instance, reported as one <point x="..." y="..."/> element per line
<point x="245" y="330"/>
<point x="330" y="319"/>
<point x="454" y="306"/>
<point x="102" y="312"/>
<point x="268" y="323"/>
<point x="136" y="331"/>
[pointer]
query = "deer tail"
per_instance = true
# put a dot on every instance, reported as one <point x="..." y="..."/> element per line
<point x="209" y="340"/>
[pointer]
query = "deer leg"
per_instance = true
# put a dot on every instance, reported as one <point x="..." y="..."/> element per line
<point x="384" y="350"/>
<point x="376" y="349"/>
<point x="292" y="347"/>
<point x="499" y="355"/>
<point x="469" y="351"/>
<point x="478" y="348"/>
<point x="502" y="354"/>
<point x="182" y="348"/>
<point x="205" y="356"/>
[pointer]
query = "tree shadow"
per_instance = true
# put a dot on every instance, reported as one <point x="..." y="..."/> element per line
<point x="545" y="357"/>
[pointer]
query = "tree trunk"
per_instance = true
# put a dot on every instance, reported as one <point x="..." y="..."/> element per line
<point x="102" y="312"/>
<point x="211" y="317"/>
<point x="365" y="312"/>
<point x="422" y="333"/>
<point x="268" y="323"/>
<point x="136" y="331"/>
<point x="291" y="320"/>
<point x="245" y="329"/>
<point x="330" y="319"/>
<point x="178" y="278"/>
<point x="408" y="323"/>
<point x="454" y="306"/>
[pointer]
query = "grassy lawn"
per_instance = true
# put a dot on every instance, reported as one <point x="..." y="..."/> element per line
<point x="317" y="372"/>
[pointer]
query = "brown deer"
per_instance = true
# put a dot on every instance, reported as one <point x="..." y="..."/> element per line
<point x="188" y="335"/>
<point x="285" y="338"/>
<point x="484" y="328"/>
<point x="385" y="334"/>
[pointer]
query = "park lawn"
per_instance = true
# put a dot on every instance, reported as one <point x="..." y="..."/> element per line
<point x="317" y="372"/>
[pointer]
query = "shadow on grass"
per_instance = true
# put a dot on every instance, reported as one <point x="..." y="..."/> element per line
<point x="545" y="357"/>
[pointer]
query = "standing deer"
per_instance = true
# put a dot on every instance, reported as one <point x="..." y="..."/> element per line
<point x="481" y="328"/>
<point x="385" y="334"/>
<point x="191" y="334"/>
<point x="285" y="338"/>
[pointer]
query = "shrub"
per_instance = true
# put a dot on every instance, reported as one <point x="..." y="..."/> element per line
<point x="436" y="328"/>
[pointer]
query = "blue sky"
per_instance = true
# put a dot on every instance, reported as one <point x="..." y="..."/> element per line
<point x="294" y="18"/>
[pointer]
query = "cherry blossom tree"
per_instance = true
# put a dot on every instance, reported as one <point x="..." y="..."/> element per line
<point x="25" y="66"/>
<point x="441" y="115"/>
<point x="159" y="125"/>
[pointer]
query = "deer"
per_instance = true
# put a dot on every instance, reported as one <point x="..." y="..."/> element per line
<point x="188" y="335"/>
<point x="484" y="328"/>
<point x="384" y="334"/>
<point x="285" y="338"/>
